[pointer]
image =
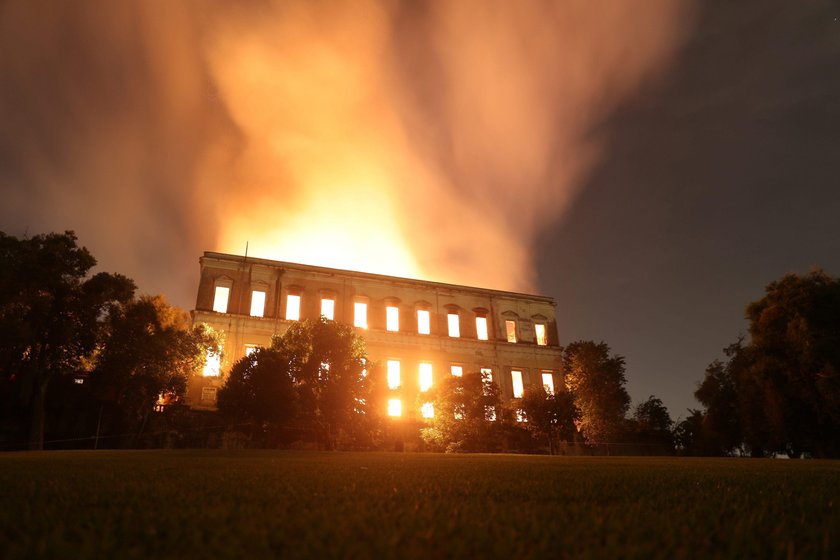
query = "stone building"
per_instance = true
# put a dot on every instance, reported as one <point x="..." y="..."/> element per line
<point x="417" y="331"/>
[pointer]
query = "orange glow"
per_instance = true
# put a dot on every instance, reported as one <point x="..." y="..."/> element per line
<point x="394" y="407"/>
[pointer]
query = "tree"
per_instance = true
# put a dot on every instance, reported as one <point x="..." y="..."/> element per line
<point x="550" y="416"/>
<point x="51" y="315"/>
<point x="467" y="411"/>
<point x="596" y="380"/>
<point x="258" y="392"/>
<point x="780" y="393"/>
<point x="148" y="349"/>
<point x="652" y="425"/>
<point x="314" y="373"/>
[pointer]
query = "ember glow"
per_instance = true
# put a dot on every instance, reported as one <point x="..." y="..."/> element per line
<point x="432" y="140"/>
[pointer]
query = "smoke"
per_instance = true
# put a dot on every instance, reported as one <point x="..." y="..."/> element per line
<point x="433" y="140"/>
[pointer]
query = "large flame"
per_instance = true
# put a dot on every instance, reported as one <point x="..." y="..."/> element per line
<point x="438" y="147"/>
<point x="424" y="139"/>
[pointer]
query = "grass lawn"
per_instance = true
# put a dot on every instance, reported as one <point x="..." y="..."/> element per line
<point x="124" y="504"/>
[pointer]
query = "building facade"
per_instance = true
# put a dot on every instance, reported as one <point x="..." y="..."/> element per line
<point x="417" y="331"/>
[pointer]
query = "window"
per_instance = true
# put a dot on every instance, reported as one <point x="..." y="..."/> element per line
<point x="393" y="374"/>
<point x="486" y="379"/>
<point x="360" y="314"/>
<point x="518" y="388"/>
<point x="425" y="376"/>
<point x="220" y="299"/>
<point x="250" y="349"/>
<point x="520" y="415"/>
<point x="213" y="364"/>
<point x="454" y="325"/>
<point x="427" y="410"/>
<point x="292" y="307"/>
<point x="541" y="338"/>
<point x="394" y="407"/>
<point x="481" y="328"/>
<point x="548" y="382"/>
<point x="257" y="303"/>
<point x="423" y="321"/>
<point x="490" y="413"/>
<point x="328" y="308"/>
<point x="510" y="329"/>
<point x="457" y="371"/>
<point x="392" y="318"/>
<point x="364" y="367"/>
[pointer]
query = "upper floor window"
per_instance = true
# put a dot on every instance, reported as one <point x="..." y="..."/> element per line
<point x="394" y="407"/>
<point x="257" y="303"/>
<point x="518" y="387"/>
<point x="212" y="364"/>
<point x="393" y="374"/>
<point x="539" y="328"/>
<point x="360" y="315"/>
<point x="250" y="349"/>
<point x="457" y="371"/>
<point x="487" y="375"/>
<point x="220" y="299"/>
<point x="292" y="307"/>
<point x="328" y="308"/>
<point x="423" y="321"/>
<point x="548" y="382"/>
<point x="427" y="410"/>
<point x="392" y="318"/>
<point x="481" y="328"/>
<point x="510" y="329"/>
<point x="454" y="325"/>
<point x="425" y="376"/>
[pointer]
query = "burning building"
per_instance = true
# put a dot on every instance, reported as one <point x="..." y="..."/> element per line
<point x="419" y="331"/>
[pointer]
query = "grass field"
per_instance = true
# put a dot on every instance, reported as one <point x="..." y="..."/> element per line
<point x="304" y="504"/>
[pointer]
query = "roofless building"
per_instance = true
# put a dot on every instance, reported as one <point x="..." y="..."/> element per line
<point x="419" y="331"/>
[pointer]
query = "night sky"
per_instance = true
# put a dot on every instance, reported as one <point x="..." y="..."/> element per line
<point x="713" y="175"/>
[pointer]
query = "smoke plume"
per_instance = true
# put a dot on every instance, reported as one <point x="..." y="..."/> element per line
<point x="426" y="139"/>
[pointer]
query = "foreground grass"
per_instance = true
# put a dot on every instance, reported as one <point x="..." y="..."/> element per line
<point x="296" y="504"/>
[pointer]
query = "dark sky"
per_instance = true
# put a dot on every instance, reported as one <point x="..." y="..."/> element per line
<point x="724" y="178"/>
<point x="715" y="177"/>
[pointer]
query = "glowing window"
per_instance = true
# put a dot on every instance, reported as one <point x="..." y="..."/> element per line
<point x="458" y="413"/>
<point x="250" y="349"/>
<point x="520" y="415"/>
<point x="423" y="321"/>
<point x="454" y="325"/>
<point x="425" y="376"/>
<point x="328" y="309"/>
<point x="487" y="375"/>
<point x="510" y="328"/>
<point x="490" y="413"/>
<point x="360" y="315"/>
<point x="364" y="367"/>
<point x="324" y="370"/>
<point x="392" y="318"/>
<point x="393" y="374"/>
<point x="257" y="303"/>
<point x="518" y="388"/>
<point x="394" y="407"/>
<point x="213" y="365"/>
<point x="481" y="328"/>
<point x="541" y="338"/>
<point x="548" y="382"/>
<point x="427" y="410"/>
<point x="220" y="299"/>
<point x="292" y="307"/>
<point x="457" y="371"/>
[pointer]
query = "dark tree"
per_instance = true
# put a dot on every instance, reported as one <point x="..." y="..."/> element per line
<point x="258" y="396"/>
<point x="467" y="414"/>
<point x="148" y="350"/>
<point x="652" y="426"/>
<point x="51" y="316"/>
<point x="597" y="381"/>
<point x="551" y="417"/>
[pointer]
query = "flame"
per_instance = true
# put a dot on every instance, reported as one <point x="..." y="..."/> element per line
<point x="347" y="165"/>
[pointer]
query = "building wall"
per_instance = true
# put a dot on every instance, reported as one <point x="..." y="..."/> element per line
<point x="244" y="275"/>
